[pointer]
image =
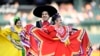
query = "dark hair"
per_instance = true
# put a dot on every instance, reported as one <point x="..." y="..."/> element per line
<point x="16" y="20"/>
<point x="54" y="18"/>
<point x="46" y="11"/>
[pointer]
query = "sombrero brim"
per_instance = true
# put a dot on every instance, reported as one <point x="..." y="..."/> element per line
<point x="38" y="11"/>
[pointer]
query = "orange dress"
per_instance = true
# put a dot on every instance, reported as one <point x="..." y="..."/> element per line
<point x="59" y="42"/>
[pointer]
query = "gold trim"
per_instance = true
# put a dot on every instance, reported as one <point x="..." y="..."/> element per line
<point x="81" y="33"/>
<point x="40" y="41"/>
<point x="33" y="52"/>
<point x="52" y="54"/>
<point x="67" y="42"/>
<point x="73" y="53"/>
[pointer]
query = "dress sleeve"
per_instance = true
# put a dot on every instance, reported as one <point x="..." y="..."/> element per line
<point x="5" y="32"/>
<point x="51" y="31"/>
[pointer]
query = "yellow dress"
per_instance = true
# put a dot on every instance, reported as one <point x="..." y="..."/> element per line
<point x="7" y="48"/>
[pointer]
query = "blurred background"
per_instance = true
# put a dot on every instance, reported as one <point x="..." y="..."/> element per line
<point x="78" y="13"/>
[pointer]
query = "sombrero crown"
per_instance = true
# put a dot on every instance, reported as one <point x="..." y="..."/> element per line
<point x="38" y="11"/>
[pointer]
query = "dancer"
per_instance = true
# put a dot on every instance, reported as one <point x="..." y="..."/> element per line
<point x="59" y="40"/>
<point x="44" y="12"/>
<point x="10" y="40"/>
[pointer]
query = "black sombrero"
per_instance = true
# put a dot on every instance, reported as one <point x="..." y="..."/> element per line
<point x="38" y="11"/>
